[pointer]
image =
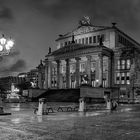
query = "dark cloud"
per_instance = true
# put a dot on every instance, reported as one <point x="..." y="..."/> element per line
<point x="5" y="13"/>
<point x="126" y="11"/>
<point x="18" y="66"/>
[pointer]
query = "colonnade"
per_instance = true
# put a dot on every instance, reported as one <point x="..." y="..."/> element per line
<point x="99" y="73"/>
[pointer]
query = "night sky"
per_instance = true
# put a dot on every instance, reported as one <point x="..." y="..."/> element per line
<point x="35" y="24"/>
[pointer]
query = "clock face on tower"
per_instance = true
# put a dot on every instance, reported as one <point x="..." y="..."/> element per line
<point x="85" y="21"/>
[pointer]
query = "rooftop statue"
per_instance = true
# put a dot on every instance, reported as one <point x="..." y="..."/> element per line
<point x="85" y="21"/>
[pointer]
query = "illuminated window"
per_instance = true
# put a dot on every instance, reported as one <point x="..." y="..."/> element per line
<point x="128" y="64"/>
<point x="63" y="69"/>
<point x="123" y="64"/>
<point x="117" y="78"/>
<point x="82" y="67"/>
<point x="118" y="64"/>
<point x="72" y="68"/>
<point x="127" y="78"/>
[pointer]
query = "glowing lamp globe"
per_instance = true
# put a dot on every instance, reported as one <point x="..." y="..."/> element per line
<point x="5" y="45"/>
<point x="1" y="48"/>
<point x="3" y="40"/>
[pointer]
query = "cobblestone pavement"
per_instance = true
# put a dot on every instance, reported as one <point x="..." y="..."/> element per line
<point x="123" y="124"/>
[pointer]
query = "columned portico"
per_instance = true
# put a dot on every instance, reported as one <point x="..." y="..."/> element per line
<point x="71" y="70"/>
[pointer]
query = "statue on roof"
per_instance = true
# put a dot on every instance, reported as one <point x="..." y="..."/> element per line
<point x="85" y="21"/>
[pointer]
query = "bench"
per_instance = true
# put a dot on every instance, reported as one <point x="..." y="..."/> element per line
<point x="67" y="108"/>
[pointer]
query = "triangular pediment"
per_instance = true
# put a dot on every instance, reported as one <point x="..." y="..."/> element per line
<point x="84" y="30"/>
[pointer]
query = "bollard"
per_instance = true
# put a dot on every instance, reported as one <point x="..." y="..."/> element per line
<point x="108" y="104"/>
<point x="41" y="106"/>
<point x="81" y="105"/>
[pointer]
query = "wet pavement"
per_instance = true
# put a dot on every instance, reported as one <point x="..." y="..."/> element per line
<point x="23" y="124"/>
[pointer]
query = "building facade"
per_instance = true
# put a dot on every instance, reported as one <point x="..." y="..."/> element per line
<point x="99" y="56"/>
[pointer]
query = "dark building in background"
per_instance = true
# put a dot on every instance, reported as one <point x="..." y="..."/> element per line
<point x="6" y="82"/>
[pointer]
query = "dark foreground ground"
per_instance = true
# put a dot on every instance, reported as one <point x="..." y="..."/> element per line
<point x="123" y="124"/>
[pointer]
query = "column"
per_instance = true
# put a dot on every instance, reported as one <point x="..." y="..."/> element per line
<point x="58" y="73"/>
<point x="67" y="73"/>
<point x="88" y="68"/>
<point x="100" y="69"/>
<point x="46" y="74"/>
<point x="77" y="71"/>
<point x="109" y="72"/>
<point x="49" y="74"/>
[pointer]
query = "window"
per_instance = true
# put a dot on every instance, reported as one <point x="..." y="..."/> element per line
<point x="127" y="78"/>
<point x="79" y="41"/>
<point x="103" y="37"/>
<point x="82" y="67"/>
<point x="128" y="63"/>
<point x="94" y="39"/>
<point x="117" y="78"/>
<point x="123" y="64"/>
<point x="122" y="78"/>
<point x="63" y="69"/>
<point x="118" y="64"/>
<point x="65" y="43"/>
<point x="98" y="37"/>
<point x="76" y="41"/>
<point x="86" y="40"/>
<point x="83" y="41"/>
<point x="90" y="40"/>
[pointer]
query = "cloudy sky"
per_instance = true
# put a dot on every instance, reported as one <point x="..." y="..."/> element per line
<point x="35" y="24"/>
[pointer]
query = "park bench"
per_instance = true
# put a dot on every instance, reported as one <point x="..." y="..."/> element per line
<point x="67" y="108"/>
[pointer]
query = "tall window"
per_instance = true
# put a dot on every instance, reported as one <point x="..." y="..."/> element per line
<point x="98" y="37"/>
<point x="90" y="40"/>
<point x="122" y="78"/>
<point x="128" y="63"/>
<point x="103" y="37"/>
<point x="117" y="78"/>
<point x="94" y="39"/>
<point x="127" y="78"/>
<point x="83" y="41"/>
<point x="118" y="64"/>
<point x="123" y="64"/>
<point x="79" y="41"/>
<point x="82" y="67"/>
<point x="86" y="40"/>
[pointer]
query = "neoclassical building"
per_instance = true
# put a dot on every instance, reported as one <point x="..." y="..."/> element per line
<point x="100" y="56"/>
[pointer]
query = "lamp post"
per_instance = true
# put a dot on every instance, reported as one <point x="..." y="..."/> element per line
<point x="5" y="45"/>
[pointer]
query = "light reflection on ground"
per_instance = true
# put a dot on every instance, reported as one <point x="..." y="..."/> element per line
<point x="23" y="124"/>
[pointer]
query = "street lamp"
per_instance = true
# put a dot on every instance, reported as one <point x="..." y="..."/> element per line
<point x="5" y="45"/>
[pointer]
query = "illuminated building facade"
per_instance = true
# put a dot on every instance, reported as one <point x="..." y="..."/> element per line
<point x="99" y="56"/>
